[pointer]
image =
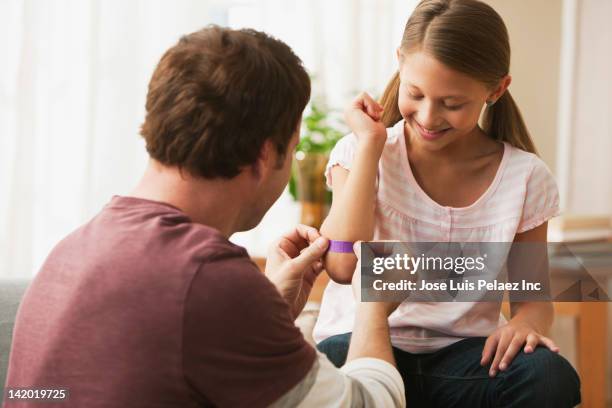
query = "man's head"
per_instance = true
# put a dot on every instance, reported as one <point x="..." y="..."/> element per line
<point x="224" y="101"/>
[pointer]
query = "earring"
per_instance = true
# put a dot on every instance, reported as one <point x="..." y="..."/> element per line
<point x="490" y="103"/>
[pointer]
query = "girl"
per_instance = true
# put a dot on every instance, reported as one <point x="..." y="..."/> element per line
<point x="420" y="168"/>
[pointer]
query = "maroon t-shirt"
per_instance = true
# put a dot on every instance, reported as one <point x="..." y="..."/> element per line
<point x="141" y="307"/>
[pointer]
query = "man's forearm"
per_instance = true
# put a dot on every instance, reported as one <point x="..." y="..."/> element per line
<point x="364" y="382"/>
<point x="369" y="377"/>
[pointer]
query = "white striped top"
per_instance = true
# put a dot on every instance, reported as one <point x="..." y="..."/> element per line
<point x="522" y="196"/>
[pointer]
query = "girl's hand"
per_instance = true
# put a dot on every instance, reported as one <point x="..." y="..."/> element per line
<point x="363" y="117"/>
<point x="507" y="340"/>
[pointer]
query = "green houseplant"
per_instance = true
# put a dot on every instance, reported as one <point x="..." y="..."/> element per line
<point x="318" y="136"/>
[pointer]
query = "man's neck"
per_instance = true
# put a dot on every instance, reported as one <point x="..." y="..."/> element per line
<point x="208" y="202"/>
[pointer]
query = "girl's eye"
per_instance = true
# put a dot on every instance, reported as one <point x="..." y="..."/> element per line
<point x="419" y="97"/>
<point x="454" y="108"/>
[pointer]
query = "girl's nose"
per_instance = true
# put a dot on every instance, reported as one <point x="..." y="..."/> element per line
<point x="427" y="116"/>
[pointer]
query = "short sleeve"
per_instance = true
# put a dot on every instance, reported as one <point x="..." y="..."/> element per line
<point x="541" y="199"/>
<point x="342" y="155"/>
<point x="240" y="345"/>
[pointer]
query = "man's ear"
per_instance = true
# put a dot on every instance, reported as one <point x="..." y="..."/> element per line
<point x="503" y="85"/>
<point x="262" y="165"/>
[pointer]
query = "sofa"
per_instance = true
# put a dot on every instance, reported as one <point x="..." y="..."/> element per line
<point x="11" y="292"/>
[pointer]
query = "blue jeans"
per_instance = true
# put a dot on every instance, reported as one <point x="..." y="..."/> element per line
<point x="453" y="376"/>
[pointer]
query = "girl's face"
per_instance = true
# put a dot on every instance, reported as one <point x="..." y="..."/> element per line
<point x="439" y="105"/>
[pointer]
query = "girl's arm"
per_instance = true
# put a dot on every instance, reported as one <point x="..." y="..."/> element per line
<point x="537" y="314"/>
<point x="529" y="322"/>
<point x="351" y="217"/>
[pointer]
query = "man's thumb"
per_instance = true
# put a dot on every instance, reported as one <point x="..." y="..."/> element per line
<point x="312" y="253"/>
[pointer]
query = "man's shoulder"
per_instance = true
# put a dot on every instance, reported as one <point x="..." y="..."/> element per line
<point x="228" y="289"/>
<point x="147" y="240"/>
<point x="166" y="230"/>
<point x="209" y="246"/>
<point x="229" y="269"/>
<point x="219" y="264"/>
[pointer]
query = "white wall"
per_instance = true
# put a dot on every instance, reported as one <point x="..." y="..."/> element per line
<point x="590" y="154"/>
<point x="534" y="28"/>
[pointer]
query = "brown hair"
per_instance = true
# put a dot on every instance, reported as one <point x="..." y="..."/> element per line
<point x="218" y="95"/>
<point x="470" y="37"/>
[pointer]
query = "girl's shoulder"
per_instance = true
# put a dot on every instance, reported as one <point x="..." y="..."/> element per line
<point x="529" y="177"/>
<point x="526" y="163"/>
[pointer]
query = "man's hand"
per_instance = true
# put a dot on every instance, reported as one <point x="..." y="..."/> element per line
<point x="293" y="264"/>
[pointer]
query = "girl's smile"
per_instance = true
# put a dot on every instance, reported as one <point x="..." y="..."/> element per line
<point x="429" y="134"/>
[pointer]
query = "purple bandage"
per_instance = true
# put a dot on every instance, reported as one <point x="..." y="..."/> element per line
<point x="344" y="247"/>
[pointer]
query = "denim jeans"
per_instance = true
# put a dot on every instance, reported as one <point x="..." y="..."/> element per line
<point x="453" y="376"/>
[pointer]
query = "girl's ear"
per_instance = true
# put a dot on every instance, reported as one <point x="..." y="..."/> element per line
<point x="398" y="54"/>
<point x="504" y="83"/>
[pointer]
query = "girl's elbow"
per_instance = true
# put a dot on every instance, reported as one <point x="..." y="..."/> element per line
<point x="340" y="277"/>
<point x="340" y="267"/>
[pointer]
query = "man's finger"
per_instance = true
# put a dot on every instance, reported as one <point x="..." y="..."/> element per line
<point x="302" y="235"/>
<point x="297" y="239"/>
<point x="308" y="232"/>
<point x="313" y="272"/>
<point x="290" y="247"/>
<point x="311" y="254"/>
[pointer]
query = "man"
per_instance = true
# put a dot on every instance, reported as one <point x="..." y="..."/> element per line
<point x="149" y="304"/>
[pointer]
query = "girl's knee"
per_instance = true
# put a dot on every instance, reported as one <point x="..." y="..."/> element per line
<point x="544" y="375"/>
<point x="546" y="363"/>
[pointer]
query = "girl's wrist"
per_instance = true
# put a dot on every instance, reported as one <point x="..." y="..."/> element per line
<point x="371" y="146"/>
<point x="376" y="309"/>
<point x="372" y="311"/>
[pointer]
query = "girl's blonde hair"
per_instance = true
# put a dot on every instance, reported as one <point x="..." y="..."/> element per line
<point x="470" y="37"/>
